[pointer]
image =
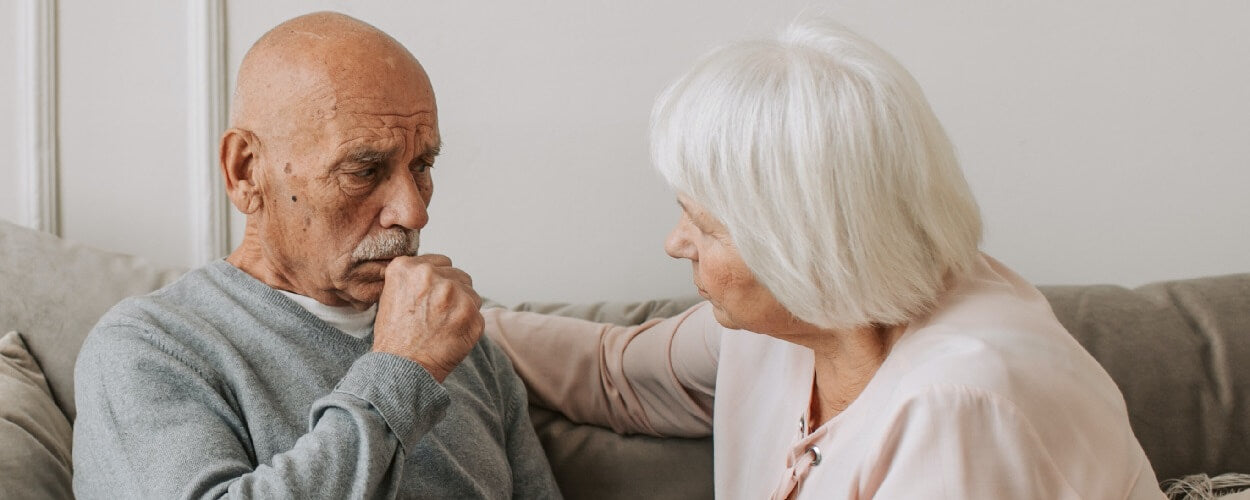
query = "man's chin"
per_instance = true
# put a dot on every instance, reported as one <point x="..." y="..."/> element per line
<point x="364" y="296"/>
<point x="364" y="284"/>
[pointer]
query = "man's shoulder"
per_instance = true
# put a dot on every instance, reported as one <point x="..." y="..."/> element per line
<point x="141" y="332"/>
<point x="172" y="318"/>
<point x="194" y="290"/>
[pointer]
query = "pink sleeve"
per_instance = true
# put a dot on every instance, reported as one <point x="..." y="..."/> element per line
<point x="657" y="378"/>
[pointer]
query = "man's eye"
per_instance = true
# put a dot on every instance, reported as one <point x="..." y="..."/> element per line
<point x="366" y="173"/>
<point x="421" y="167"/>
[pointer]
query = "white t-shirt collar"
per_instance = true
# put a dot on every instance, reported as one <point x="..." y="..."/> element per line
<point x="358" y="324"/>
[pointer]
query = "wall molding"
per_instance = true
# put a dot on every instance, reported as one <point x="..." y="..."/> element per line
<point x="37" y="146"/>
<point x="206" y="112"/>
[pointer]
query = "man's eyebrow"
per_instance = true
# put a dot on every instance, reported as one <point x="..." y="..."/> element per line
<point x="428" y="155"/>
<point x="368" y="155"/>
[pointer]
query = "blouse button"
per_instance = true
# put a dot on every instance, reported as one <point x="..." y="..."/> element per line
<point x="815" y="451"/>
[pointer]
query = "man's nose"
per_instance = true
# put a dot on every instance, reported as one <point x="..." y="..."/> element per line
<point x="405" y="206"/>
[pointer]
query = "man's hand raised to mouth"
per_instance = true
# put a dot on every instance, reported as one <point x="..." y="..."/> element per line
<point x="428" y="313"/>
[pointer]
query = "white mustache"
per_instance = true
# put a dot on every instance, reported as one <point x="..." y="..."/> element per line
<point x="388" y="245"/>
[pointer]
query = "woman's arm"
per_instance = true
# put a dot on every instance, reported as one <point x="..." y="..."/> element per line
<point x="656" y="378"/>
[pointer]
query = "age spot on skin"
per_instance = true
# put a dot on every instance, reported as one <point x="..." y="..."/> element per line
<point x="287" y="168"/>
<point x="294" y="199"/>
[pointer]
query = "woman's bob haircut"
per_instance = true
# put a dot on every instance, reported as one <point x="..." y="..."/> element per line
<point x="820" y="154"/>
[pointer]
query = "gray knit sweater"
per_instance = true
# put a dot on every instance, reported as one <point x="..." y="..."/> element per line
<point x="217" y="385"/>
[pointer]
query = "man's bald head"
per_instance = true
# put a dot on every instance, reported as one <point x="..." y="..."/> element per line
<point x="299" y="70"/>
<point x="333" y="130"/>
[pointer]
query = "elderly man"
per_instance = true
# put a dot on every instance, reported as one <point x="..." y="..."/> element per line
<point x="322" y="358"/>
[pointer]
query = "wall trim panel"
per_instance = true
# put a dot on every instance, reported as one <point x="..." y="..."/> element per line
<point x="37" y="124"/>
<point x="206" y="113"/>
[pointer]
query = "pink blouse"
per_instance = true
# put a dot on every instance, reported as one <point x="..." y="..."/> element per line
<point x="987" y="397"/>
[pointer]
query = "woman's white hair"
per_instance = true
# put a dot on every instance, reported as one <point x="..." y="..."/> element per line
<point x="820" y="154"/>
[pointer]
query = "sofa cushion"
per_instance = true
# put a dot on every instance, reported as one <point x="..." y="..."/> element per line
<point x="55" y="291"/>
<point x="35" y="436"/>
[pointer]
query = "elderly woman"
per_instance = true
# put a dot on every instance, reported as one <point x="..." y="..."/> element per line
<point x="854" y="343"/>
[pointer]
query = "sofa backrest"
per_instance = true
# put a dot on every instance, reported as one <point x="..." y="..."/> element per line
<point x="53" y="291"/>
<point x="1179" y="351"/>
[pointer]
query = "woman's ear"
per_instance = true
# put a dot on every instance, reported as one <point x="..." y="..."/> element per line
<point x="240" y="164"/>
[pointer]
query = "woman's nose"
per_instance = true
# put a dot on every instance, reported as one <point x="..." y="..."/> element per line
<point x="677" y="245"/>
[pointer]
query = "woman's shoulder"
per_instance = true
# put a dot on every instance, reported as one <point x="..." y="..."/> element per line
<point x="994" y="331"/>
<point x="1018" y="395"/>
<point x="1013" y="352"/>
<point x="992" y="363"/>
<point x="994" y="337"/>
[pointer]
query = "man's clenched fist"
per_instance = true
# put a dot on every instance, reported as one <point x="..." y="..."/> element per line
<point x="428" y="313"/>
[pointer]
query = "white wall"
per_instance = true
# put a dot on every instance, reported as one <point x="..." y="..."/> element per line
<point x="122" y="119"/>
<point x="9" y="190"/>
<point x="1106" y="141"/>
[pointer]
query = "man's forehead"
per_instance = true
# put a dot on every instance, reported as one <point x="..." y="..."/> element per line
<point x="354" y="117"/>
<point x="387" y="96"/>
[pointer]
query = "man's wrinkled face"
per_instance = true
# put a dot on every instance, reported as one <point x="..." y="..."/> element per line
<point x="348" y="190"/>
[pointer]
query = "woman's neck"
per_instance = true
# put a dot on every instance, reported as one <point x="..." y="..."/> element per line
<point x="845" y="362"/>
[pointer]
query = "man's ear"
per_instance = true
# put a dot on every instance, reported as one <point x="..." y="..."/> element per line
<point x="240" y="163"/>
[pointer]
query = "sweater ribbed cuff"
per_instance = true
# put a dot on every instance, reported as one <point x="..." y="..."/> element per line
<point x="404" y="393"/>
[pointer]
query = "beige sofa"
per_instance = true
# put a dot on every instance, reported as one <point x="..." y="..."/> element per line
<point x="1180" y="352"/>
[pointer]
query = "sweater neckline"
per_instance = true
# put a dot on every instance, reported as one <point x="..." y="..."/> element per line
<point x="263" y="292"/>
